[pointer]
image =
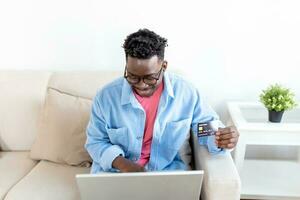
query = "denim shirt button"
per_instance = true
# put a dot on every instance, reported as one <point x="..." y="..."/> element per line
<point x="139" y="137"/>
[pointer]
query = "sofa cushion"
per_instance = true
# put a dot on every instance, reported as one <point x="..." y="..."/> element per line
<point x="61" y="135"/>
<point x="13" y="167"/>
<point x="48" y="181"/>
<point x="22" y="98"/>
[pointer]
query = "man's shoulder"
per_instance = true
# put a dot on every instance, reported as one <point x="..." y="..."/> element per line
<point x="178" y="82"/>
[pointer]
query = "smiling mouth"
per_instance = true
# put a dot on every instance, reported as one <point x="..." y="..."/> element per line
<point x="142" y="91"/>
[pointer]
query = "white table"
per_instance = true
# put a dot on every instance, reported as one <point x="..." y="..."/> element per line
<point x="266" y="179"/>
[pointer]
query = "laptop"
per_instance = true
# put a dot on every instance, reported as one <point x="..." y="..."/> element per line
<point x="161" y="185"/>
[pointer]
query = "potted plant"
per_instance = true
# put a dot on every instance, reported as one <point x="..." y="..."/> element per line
<point x="277" y="99"/>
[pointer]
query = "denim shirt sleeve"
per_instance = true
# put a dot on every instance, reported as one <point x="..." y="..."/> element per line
<point x="204" y="113"/>
<point x="98" y="144"/>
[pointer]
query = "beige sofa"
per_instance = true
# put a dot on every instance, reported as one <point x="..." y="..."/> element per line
<point x="37" y="170"/>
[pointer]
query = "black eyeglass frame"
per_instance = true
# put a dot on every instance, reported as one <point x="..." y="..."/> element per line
<point x="151" y="76"/>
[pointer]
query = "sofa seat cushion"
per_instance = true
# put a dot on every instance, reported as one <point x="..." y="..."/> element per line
<point x="48" y="180"/>
<point x="13" y="167"/>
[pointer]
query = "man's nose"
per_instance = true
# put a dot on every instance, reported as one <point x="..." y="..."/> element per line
<point x="141" y="84"/>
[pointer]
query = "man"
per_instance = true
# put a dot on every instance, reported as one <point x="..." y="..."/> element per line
<point x="139" y="122"/>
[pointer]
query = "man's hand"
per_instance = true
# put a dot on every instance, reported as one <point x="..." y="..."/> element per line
<point x="227" y="137"/>
<point x="125" y="165"/>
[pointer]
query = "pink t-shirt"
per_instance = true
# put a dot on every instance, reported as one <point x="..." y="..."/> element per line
<point x="150" y="105"/>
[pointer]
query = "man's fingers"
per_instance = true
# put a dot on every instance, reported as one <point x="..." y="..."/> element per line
<point x="227" y="141"/>
<point x="227" y="129"/>
<point x="227" y="137"/>
<point x="224" y="136"/>
<point x="227" y="146"/>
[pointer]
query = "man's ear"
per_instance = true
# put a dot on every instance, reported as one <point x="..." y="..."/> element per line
<point x="165" y="65"/>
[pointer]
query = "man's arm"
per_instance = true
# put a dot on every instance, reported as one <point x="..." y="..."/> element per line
<point x="98" y="143"/>
<point x="226" y="137"/>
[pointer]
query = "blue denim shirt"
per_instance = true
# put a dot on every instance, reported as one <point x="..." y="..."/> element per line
<point x="117" y="121"/>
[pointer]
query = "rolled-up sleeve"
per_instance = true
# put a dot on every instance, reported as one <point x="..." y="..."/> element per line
<point x="98" y="144"/>
<point x="204" y="113"/>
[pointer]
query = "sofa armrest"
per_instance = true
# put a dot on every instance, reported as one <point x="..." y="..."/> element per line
<point x="221" y="179"/>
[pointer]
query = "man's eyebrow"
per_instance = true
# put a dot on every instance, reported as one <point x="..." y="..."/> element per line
<point x="143" y="75"/>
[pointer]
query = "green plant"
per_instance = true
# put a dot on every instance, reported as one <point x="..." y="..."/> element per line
<point x="278" y="98"/>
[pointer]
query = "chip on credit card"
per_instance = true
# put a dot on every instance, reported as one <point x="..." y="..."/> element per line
<point x="206" y="129"/>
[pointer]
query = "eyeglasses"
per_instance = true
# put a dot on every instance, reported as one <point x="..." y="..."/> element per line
<point x="150" y="79"/>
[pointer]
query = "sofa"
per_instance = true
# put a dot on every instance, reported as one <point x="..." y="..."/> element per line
<point x="43" y="116"/>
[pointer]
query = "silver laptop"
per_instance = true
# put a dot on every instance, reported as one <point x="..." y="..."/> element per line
<point x="163" y="185"/>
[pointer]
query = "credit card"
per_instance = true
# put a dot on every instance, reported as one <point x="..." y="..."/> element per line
<point x="206" y="129"/>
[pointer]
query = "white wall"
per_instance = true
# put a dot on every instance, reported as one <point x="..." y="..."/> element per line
<point x="231" y="49"/>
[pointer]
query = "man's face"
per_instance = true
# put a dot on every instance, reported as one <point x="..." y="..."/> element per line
<point x="147" y="68"/>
